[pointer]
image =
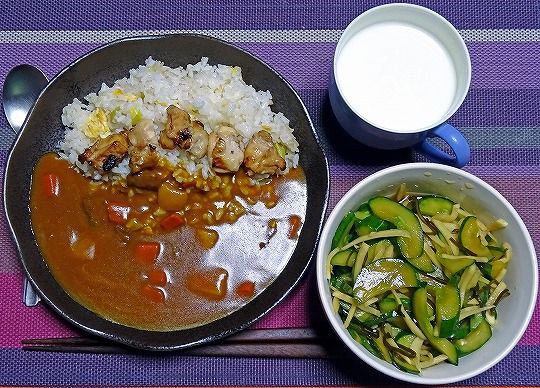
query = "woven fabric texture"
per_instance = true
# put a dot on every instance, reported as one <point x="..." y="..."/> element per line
<point x="500" y="117"/>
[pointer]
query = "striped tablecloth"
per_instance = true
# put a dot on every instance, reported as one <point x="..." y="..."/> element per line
<point x="500" y="117"/>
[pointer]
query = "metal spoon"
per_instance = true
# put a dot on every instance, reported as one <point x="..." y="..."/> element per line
<point x="21" y="89"/>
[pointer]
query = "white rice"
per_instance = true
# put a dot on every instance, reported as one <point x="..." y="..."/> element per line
<point x="213" y="95"/>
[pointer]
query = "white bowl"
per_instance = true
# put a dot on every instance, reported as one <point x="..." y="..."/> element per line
<point x="488" y="204"/>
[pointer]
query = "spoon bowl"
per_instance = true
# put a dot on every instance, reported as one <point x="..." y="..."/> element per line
<point x="21" y="89"/>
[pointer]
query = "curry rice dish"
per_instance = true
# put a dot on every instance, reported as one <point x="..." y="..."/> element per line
<point x="175" y="197"/>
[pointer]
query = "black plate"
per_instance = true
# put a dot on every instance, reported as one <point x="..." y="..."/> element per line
<point x="43" y="129"/>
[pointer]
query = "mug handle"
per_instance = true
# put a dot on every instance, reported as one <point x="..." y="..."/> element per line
<point x="454" y="139"/>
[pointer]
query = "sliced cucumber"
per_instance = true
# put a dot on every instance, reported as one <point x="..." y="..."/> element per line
<point x="342" y="258"/>
<point x="389" y="304"/>
<point x="380" y="245"/>
<point x="431" y="205"/>
<point x="496" y="267"/>
<point x="384" y="275"/>
<point x="435" y="279"/>
<point x="365" y="342"/>
<point x="403" y="219"/>
<point x="362" y="316"/>
<point x="469" y="237"/>
<point x="420" y="312"/>
<point x="453" y="266"/>
<point x="496" y="251"/>
<point x="447" y="309"/>
<point x="475" y="339"/>
<point x="359" y="315"/>
<point x="362" y="212"/>
<point x="493" y="269"/>
<point x="462" y="330"/>
<point x="403" y="333"/>
<point x="342" y="283"/>
<point x="398" y="322"/>
<point x="405" y="340"/>
<point x="476" y="320"/>
<point x="393" y="331"/>
<point x="341" y="236"/>
<point x="422" y="262"/>
<point x="376" y="321"/>
<point x="405" y="366"/>
<point x="371" y="224"/>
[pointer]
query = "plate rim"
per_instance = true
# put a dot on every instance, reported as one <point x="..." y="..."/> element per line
<point x="144" y="345"/>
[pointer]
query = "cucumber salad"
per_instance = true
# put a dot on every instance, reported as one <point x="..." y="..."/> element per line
<point x="416" y="279"/>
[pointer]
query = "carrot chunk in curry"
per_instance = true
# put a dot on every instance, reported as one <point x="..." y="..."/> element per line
<point x="147" y="252"/>
<point x="172" y="221"/>
<point x="51" y="185"/>
<point x="157" y="277"/>
<point x="295" y="222"/>
<point x="154" y="294"/>
<point x="118" y="212"/>
<point x="245" y="289"/>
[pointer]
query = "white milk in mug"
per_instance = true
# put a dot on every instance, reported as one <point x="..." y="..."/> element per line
<point x="400" y="71"/>
<point x="397" y="77"/>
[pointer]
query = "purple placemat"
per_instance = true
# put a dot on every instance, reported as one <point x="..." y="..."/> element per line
<point x="500" y="117"/>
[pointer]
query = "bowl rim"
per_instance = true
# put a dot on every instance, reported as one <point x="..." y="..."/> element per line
<point x="381" y="365"/>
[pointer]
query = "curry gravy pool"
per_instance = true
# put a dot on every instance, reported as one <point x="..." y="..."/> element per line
<point x="183" y="270"/>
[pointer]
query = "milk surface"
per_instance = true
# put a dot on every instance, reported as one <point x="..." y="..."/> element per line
<point x="397" y="77"/>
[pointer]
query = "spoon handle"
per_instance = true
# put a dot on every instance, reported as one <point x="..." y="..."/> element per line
<point x="22" y="86"/>
<point x="30" y="297"/>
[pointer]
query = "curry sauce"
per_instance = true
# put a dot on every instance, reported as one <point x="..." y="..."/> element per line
<point x="180" y="256"/>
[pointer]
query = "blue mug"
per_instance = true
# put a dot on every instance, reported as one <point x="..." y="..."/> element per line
<point x="400" y="71"/>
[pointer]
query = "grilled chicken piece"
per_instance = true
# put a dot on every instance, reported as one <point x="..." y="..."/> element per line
<point x="180" y="131"/>
<point x="261" y="157"/>
<point x="142" y="134"/>
<point x="142" y="152"/>
<point x="143" y="159"/>
<point x="148" y="179"/>
<point x="199" y="140"/>
<point x="224" y="150"/>
<point x="106" y="153"/>
<point x="176" y="131"/>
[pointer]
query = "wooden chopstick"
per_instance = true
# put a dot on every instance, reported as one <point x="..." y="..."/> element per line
<point x="281" y="350"/>
<point x="274" y="335"/>
<point x="252" y="335"/>
<point x="285" y="343"/>
<point x="72" y="348"/>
